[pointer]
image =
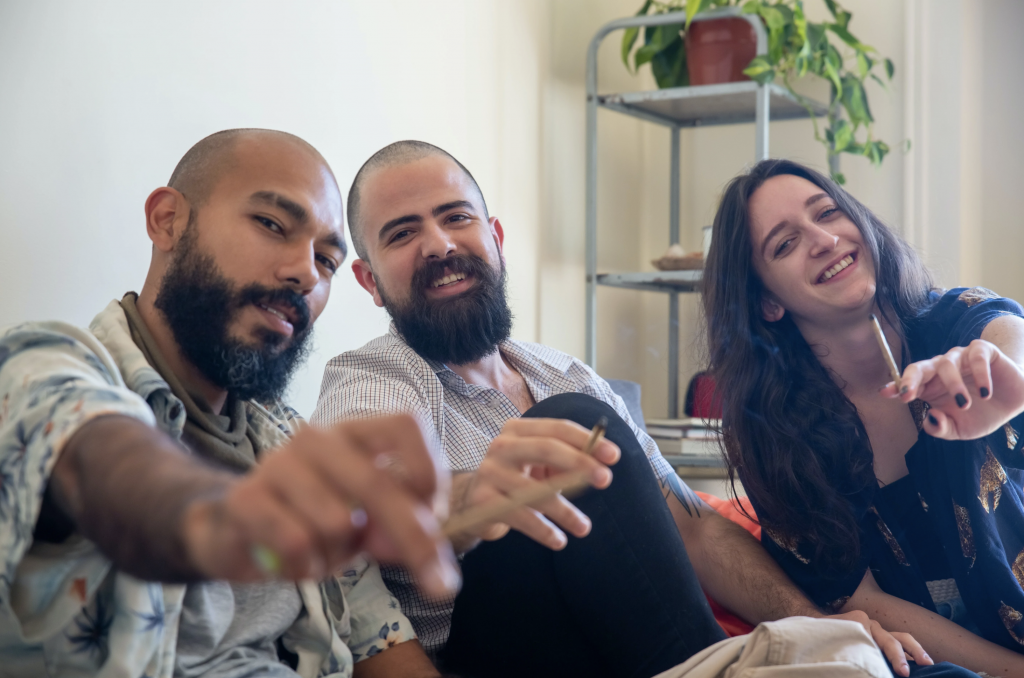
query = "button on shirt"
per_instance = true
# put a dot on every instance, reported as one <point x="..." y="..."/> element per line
<point x="65" y="610"/>
<point x="386" y="376"/>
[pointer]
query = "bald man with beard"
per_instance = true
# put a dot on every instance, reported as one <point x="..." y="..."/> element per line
<point x="145" y="528"/>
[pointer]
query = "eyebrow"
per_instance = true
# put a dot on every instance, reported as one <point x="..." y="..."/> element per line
<point x="415" y="218"/>
<point x="335" y="240"/>
<point x="782" y="224"/>
<point x="292" y="208"/>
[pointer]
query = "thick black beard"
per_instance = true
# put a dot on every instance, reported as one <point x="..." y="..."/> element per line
<point x="200" y="304"/>
<point x="457" y="330"/>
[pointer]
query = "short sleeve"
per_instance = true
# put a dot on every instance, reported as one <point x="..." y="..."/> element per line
<point x="958" y="317"/>
<point x="53" y="379"/>
<point x="377" y="622"/>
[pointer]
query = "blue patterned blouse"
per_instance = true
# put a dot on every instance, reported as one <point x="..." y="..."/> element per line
<point x="971" y="492"/>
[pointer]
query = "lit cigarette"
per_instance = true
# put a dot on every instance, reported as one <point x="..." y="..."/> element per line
<point x="886" y="352"/>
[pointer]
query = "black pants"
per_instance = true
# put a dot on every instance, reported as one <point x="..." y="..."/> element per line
<point x="622" y="601"/>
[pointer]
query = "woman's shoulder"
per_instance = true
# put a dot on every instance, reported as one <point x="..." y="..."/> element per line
<point x="956" y="317"/>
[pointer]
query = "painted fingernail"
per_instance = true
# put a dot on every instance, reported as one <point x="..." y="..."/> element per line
<point x="904" y="390"/>
<point x="984" y="392"/>
<point x="961" y="401"/>
<point x="933" y="420"/>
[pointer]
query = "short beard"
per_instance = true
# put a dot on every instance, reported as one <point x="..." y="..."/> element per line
<point x="199" y="304"/>
<point x="457" y="330"/>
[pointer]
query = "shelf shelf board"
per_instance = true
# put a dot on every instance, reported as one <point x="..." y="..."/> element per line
<point x="694" y="461"/>
<point x="654" y="281"/>
<point x="725" y="104"/>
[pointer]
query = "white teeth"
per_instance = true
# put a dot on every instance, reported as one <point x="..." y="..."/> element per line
<point x="280" y="315"/>
<point x="449" y="279"/>
<point x="846" y="261"/>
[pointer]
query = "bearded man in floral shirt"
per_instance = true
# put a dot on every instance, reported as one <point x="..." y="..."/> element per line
<point x="145" y="527"/>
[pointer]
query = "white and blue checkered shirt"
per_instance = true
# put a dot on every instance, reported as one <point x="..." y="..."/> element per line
<point x="387" y="376"/>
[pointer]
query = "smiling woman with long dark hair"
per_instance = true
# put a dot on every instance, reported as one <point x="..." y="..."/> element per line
<point x="905" y="503"/>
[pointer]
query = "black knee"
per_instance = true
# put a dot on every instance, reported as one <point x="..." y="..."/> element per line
<point x="633" y="472"/>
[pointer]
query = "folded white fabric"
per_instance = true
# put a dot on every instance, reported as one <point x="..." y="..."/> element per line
<point x="796" y="647"/>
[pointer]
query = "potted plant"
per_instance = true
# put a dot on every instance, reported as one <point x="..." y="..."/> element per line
<point x="796" y="48"/>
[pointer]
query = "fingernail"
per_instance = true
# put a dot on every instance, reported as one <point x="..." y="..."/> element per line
<point x="929" y="658"/>
<point x="602" y="476"/>
<point x="933" y="420"/>
<point x="904" y="389"/>
<point x="984" y="392"/>
<point x="961" y="401"/>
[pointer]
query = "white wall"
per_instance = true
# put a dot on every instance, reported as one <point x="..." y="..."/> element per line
<point x="101" y="99"/>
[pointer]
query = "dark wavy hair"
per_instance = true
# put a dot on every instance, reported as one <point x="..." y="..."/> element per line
<point x="789" y="432"/>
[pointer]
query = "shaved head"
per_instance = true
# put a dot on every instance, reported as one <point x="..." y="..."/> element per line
<point x="199" y="170"/>
<point x="392" y="155"/>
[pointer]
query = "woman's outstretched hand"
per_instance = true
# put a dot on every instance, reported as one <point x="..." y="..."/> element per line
<point x="972" y="390"/>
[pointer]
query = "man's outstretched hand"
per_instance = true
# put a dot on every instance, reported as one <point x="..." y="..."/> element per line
<point x="362" y="486"/>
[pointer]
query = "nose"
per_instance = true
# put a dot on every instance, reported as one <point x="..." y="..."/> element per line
<point x="822" y="242"/>
<point x="299" y="268"/>
<point x="436" y="242"/>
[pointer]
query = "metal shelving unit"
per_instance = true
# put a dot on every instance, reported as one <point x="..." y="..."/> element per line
<point x="675" y="108"/>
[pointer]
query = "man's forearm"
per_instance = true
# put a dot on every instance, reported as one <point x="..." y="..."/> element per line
<point x="730" y="564"/>
<point x="125" y="485"/>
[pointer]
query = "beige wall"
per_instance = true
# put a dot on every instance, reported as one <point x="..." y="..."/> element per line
<point x="101" y="99"/>
<point x="633" y="189"/>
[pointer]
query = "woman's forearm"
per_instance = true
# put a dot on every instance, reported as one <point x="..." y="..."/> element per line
<point x="941" y="638"/>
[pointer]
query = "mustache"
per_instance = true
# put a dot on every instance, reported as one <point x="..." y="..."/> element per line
<point x="431" y="270"/>
<point x="258" y="294"/>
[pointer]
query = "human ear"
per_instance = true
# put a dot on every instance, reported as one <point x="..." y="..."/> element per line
<point x="771" y="310"/>
<point x="364" y="276"/>
<point x="498" y="233"/>
<point x="167" y="213"/>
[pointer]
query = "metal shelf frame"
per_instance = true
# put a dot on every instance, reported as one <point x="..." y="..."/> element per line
<point x="675" y="108"/>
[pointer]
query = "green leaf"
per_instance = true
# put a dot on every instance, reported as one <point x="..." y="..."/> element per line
<point x="855" y="101"/>
<point x="879" y="81"/>
<point x="863" y="65"/>
<point x="839" y="178"/>
<point x="751" y="7"/>
<point x="773" y="17"/>
<point x="890" y="68"/>
<point x="760" y="70"/>
<point x="656" y="40"/>
<point x="841" y="16"/>
<point x="815" y="35"/>
<point x="801" y="65"/>
<point x="846" y="37"/>
<point x="629" y="37"/>
<point x="842" y="135"/>
<point x="832" y="74"/>
<point x="669" y="66"/>
<point x="692" y="7"/>
<point x="628" y="40"/>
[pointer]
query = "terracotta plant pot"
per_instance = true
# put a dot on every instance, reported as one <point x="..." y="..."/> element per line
<point x="718" y="50"/>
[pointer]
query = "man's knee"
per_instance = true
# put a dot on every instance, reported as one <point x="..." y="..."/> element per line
<point x="586" y="411"/>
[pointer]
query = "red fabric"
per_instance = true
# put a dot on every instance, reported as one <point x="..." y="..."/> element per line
<point x="730" y="623"/>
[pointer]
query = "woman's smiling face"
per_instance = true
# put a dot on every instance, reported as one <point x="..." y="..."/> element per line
<point x="809" y="254"/>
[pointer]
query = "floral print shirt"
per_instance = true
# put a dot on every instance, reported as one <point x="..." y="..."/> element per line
<point x="972" y="492"/>
<point x="64" y="609"/>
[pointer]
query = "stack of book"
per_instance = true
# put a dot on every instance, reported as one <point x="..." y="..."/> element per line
<point x="690" y="436"/>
